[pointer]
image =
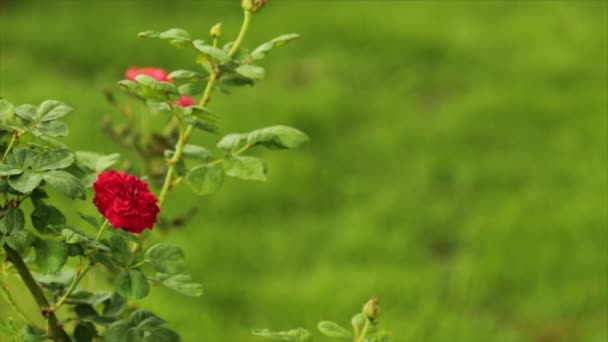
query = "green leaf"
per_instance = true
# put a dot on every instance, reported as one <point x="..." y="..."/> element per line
<point x="232" y="141"/>
<point x="9" y="170"/>
<point x="6" y="109"/>
<point x="32" y="333"/>
<point x="120" y="251"/>
<point x="274" y="137"/>
<point x="115" y="305"/>
<point x="53" y="128"/>
<point x="73" y="236"/>
<point x="204" y="125"/>
<point x="132" y="283"/>
<point x="294" y="335"/>
<point x="65" y="183"/>
<point x="25" y="182"/>
<point x="53" y="159"/>
<point x="278" y="137"/>
<point x="117" y="332"/>
<point x="196" y="152"/>
<point x="157" y="90"/>
<point x="51" y="255"/>
<point x="14" y="219"/>
<point x="96" y="162"/>
<point x="156" y="106"/>
<point x="145" y="319"/>
<point x="358" y="321"/>
<point x="85" y="331"/>
<point x="165" y="258"/>
<point x="191" y="89"/>
<point x="26" y="112"/>
<point x="205" y="179"/>
<point x="130" y="86"/>
<point x="20" y="241"/>
<point x="44" y="215"/>
<point x="186" y="75"/>
<point x="262" y="50"/>
<point x="334" y="330"/>
<point x="182" y="283"/>
<point x="251" y="71"/>
<point x="236" y="80"/>
<point x="86" y="297"/>
<point x="21" y="158"/>
<point x="148" y="34"/>
<point x="175" y="33"/>
<point x="216" y="53"/>
<point x="248" y="168"/>
<point x="162" y="334"/>
<point x="51" y="110"/>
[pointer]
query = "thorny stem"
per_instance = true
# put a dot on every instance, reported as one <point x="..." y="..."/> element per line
<point x="185" y="134"/>
<point x="54" y="329"/>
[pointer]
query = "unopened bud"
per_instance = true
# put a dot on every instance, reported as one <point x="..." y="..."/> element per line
<point x="217" y="30"/>
<point x="371" y="309"/>
<point x="253" y="5"/>
<point x="247" y="5"/>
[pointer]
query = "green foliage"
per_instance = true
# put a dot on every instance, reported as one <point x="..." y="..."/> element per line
<point x="165" y="258"/>
<point x="141" y="326"/>
<point x="275" y="137"/>
<point x="132" y="283"/>
<point x="261" y="51"/>
<point x="205" y="179"/>
<point x="334" y="330"/>
<point x="51" y="255"/>
<point x="248" y="168"/>
<point x="181" y="283"/>
<point x="294" y="335"/>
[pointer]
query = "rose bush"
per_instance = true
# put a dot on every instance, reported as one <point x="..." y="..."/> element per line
<point x="35" y="165"/>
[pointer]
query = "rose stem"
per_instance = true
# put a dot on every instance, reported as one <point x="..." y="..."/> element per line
<point x="55" y="330"/>
<point x="185" y="134"/>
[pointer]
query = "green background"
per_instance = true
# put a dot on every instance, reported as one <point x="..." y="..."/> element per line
<point x="457" y="168"/>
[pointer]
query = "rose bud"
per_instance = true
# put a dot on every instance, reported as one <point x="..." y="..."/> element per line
<point x="125" y="201"/>
<point x="216" y="31"/>
<point x="185" y="101"/>
<point x="252" y="5"/>
<point x="371" y="309"/>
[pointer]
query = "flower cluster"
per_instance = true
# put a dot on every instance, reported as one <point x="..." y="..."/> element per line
<point x="125" y="201"/>
<point x="159" y="74"/>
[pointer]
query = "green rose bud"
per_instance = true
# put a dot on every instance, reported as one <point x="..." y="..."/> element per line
<point x="253" y="5"/>
<point x="371" y="309"/>
<point x="247" y="5"/>
<point x="217" y="30"/>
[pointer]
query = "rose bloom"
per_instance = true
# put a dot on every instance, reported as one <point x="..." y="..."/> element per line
<point x="125" y="201"/>
<point x="159" y="74"/>
<point x="185" y="101"/>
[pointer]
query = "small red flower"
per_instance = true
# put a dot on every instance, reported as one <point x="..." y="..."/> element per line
<point x="159" y="74"/>
<point x="185" y="101"/>
<point x="125" y="201"/>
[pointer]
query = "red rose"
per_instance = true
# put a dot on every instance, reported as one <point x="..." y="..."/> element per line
<point x="185" y="101"/>
<point x="125" y="201"/>
<point x="159" y="74"/>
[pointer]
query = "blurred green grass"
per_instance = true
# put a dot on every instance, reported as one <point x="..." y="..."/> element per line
<point x="457" y="168"/>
